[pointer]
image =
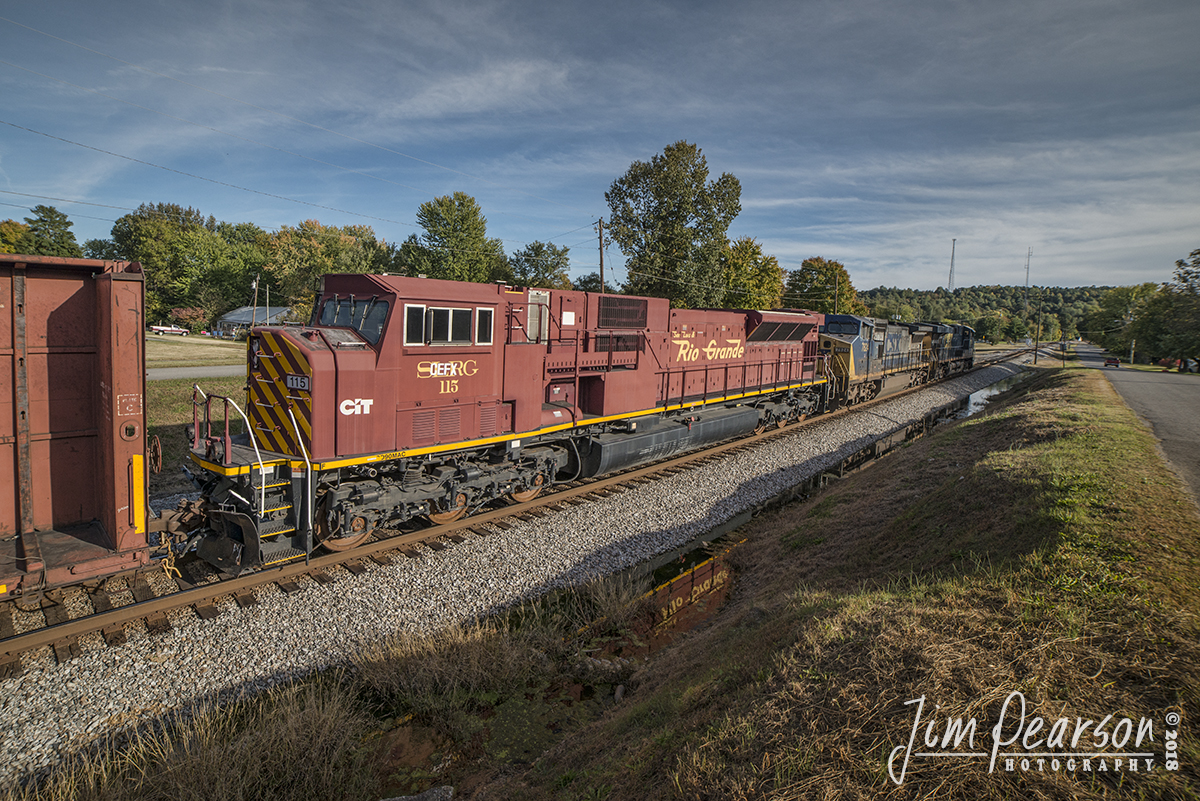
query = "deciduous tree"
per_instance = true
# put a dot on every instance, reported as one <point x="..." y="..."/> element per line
<point x="455" y="245"/>
<point x="823" y="286"/>
<point x="543" y="265"/>
<point x="298" y="257"/>
<point x="14" y="237"/>
<point x="670" y="221"/>
<point x="754" y="280"/>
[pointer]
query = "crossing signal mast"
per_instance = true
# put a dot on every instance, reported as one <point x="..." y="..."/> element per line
<point x="952" y="241"/>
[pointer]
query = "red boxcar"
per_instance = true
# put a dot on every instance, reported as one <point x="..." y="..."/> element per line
<point x="408" y="396"/>
<point x="72" y="421"/>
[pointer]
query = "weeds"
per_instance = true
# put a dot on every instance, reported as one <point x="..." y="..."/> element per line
<point x="299" y="742"/>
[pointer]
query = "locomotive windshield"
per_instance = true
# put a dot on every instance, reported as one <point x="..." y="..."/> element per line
<point x="364" y="315"/>
<point x="845" y="329"/>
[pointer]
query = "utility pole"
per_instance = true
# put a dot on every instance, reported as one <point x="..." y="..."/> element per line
<point x="952" y="241"/>
<point x="1028" y="256"/>
<point x="1132" y="342"/>
<point x="601" y="224"/>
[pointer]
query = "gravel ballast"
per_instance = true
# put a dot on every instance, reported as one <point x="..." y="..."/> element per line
<point x="52" y="710"/>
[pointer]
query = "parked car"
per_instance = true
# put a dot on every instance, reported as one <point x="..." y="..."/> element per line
<point x="1112" y="361"/>
<point x="169" y="329"/>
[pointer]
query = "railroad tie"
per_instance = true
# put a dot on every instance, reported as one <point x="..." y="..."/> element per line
<point x="207" y="611"/>
<point x="157" y="623"/>
<point x="114" y="635"/>
<point x="66" y="650"/>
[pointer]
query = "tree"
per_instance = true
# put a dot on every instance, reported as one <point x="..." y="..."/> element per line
<point x="989" y="327"/>
<point x="1168" y="325"/>
<point x="591" y="283"/>
<point x="14" y="237"/>
<point x="754" y="281"/>
<point x="298" y="257"/>
<point x="670" y="221"/>
<point x="455" y="245"/>
<point x="822" y="286"/>
<point x="101" y="249"/>
<point x="542" y="265"/>
<point x="50" y="234"/>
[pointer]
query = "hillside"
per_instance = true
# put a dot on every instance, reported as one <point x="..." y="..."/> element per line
<point x="994" y="311"/>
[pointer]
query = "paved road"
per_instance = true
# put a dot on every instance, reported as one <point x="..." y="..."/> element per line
<point x="1170" y="402"/>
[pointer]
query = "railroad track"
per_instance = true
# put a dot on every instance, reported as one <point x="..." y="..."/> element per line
<point x="152" y="607"/>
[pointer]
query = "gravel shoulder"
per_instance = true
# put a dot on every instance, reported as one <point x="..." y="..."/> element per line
<point x="52" y="710"/>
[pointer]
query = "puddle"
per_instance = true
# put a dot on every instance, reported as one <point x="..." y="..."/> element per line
<point x="977" y="401"/>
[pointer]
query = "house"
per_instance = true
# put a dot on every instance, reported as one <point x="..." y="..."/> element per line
<point x="238" y="321"/>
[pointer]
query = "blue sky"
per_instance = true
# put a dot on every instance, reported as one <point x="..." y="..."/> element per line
<point x="868" y="131"/>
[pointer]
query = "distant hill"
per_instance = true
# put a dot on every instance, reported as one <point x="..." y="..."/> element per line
<point x="994" y="311"/>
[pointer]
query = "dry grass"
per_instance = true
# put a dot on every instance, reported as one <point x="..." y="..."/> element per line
<point x="300" y="742"/>
<point x="1043" y="548"/>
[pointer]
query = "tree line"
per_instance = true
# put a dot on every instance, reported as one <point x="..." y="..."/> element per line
<point x="669" y="219"/>
<point x="1153" y="321"/>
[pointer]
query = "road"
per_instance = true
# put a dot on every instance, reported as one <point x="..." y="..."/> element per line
<point x="1169" y="402"/>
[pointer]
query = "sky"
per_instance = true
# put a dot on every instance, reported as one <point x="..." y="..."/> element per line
<point x="878" y="133"/>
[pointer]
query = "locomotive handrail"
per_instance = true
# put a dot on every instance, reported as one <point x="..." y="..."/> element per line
<point x="308" y="476"/>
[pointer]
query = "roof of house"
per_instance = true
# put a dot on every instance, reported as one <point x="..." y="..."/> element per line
<point x="262" y="315"/>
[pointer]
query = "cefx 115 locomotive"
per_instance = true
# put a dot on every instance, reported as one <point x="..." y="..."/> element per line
<point x="411" y="397"/>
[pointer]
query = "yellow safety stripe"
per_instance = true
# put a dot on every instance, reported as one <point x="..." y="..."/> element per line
<point x="475" y="443"/>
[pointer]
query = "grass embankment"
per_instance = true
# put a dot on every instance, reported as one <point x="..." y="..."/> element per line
<point x="1042" y="547"/>
<point x="192" y="351"/>
<point x="168" y="410"/>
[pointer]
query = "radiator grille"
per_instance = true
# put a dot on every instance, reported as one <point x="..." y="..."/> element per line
<point x="487" y="420"/>
<point x="449" y="425"/>
<point x="424" y="425"/>
<point x="618" y="312"/>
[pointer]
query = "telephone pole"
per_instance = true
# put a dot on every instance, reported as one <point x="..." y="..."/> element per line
<point x="1028" y="256"/>
<point x="600" y="223"/>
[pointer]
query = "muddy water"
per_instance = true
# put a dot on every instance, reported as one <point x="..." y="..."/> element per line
<point x="977" y="401"/>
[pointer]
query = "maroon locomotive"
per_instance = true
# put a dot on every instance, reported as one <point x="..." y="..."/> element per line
<point x="407" y="397"/>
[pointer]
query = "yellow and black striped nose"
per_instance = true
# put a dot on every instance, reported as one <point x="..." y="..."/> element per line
<point x="279" y="379"/>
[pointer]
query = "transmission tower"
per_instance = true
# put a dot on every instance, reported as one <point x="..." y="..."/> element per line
<point x="952" y="241"/>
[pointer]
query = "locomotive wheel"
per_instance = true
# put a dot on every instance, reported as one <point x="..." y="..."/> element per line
<point x="450" y="515"/>
<point x="532" y="492"/>
<point x="332" y="538"/>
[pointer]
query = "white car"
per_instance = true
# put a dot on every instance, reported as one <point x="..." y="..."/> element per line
<point x="169" y="329"/>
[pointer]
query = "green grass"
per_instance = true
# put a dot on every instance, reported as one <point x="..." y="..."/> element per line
<point x="168" y="410"/>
